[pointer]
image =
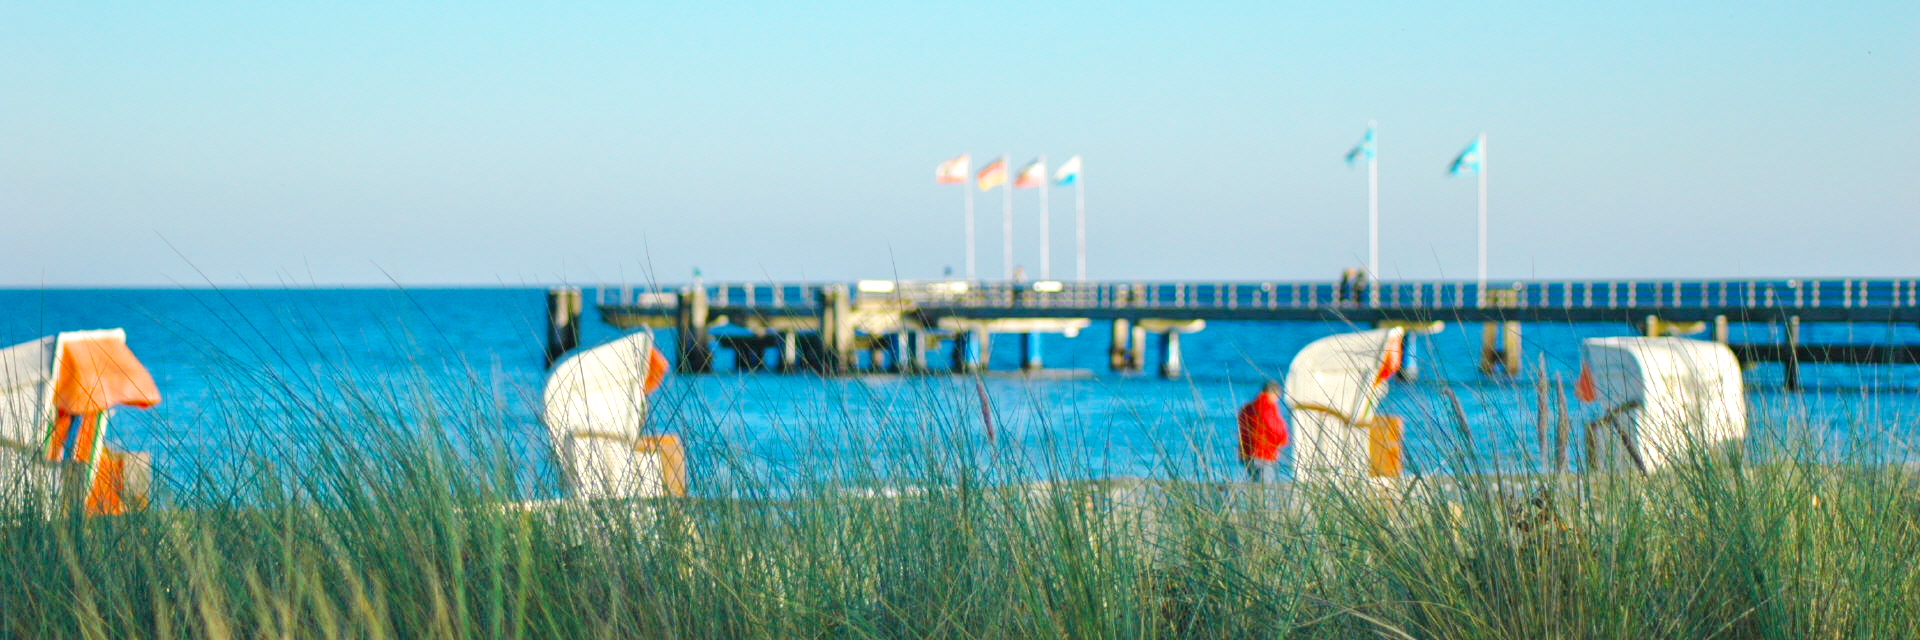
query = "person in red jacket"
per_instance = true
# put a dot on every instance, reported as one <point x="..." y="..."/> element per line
<point x="1262" y="433"/>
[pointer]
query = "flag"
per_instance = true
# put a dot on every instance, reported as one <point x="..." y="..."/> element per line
<point x="1469" y="161"/>
<point x="1031" y="176"/>
<point x="993" y="175"/>
<point x="1362" y="151"/>
<point x="1069" y="172"/>
<point x="953" y="171"/>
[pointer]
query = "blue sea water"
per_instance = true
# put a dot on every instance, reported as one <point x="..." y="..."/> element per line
<point x="218" y="356"/>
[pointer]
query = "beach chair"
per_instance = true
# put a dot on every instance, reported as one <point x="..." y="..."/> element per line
<point x="1663" y="399"/>
<point x="595" y="409"/>
<point x="56" y="397"/>
<point x="1334" y="387"/>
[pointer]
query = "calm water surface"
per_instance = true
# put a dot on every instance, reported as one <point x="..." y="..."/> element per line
<point x="219" y="354"/>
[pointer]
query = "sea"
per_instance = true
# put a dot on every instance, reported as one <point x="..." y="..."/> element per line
<point x="222" y="357"/>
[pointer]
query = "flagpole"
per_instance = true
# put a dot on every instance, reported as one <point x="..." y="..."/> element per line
<point x="1080" y="225"/>
<point x="1006" y="219"/>
<point x="1483" y="218"/>
<point x="1373" y="215"/>
<point x="1046" y="241"/>
<point x="966" y="186"/>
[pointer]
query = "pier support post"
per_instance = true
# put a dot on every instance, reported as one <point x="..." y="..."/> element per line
<point x="1117" y="344"/>
<point x="1409" y="360"/>
<point x="962" y="341"/>
<point x="1171" y="364"/>
<point x="1137" y="349"/>
<point x="1721" y="333"/>
<point x="838" y="351"/>
<point x="969" y="351"/>
<point x="1030" y="358"/>
<point x="913" y="354"/>
<point x="895" y="352"/>
<point x="691" y="340"/>
<point x="1489" y="346"/>
<point x="789" y="351"/>
<point x="1511" y="347"/>
<point x="563" y="322"/>
<point x="1409" y="355"/>
<point x="1792" y="360"/>
<point x="1500" y="347"/>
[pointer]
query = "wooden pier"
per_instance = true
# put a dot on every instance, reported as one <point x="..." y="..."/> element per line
<point x="898" y="326"/>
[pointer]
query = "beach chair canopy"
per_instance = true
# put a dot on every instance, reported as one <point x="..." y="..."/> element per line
<point x="75" y="373"/>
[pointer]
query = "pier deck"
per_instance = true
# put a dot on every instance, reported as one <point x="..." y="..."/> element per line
<point x="833" y="321"/>
<point x="1896" y="301"/>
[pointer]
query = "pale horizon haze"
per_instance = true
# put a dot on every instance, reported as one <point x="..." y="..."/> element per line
<point x="187" y="144"/>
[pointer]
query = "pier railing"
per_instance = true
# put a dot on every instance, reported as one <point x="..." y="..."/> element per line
<point x="1571" y="294"/>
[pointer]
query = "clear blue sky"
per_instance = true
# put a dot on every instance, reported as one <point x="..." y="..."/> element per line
<point x="526" y="144"/>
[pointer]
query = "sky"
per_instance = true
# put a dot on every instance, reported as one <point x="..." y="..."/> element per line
<point x="270" y="144"/>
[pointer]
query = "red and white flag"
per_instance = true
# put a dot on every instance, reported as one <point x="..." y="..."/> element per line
<point x="1034" y="175"/>
<point x="953" y="171"/>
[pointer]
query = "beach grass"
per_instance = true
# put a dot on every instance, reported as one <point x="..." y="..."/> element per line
<point x="401" y="514"/>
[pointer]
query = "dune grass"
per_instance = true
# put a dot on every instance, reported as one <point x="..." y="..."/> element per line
<point x="379" y="524"/>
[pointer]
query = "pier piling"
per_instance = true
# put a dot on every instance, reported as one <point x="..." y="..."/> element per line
<point x="969" y="351"/>
<point x="1030" y="356"/>
<point x="1500" y="347"/>
<point x="1171" y="364"/>
<point x="1409" y="360"/>
<point x="1409" y="348"/>
<point x="789" y="352"/>
<point x="838" y="351"/>
<point x="1137" y="349"/>
<point x="1117" y="344"/>
<point x="563" y="322"/>
<point x="1792" y="359"/>
<point x="691" y="339"/>
<point x="1511" y="345"/>
<point x="913" y="355"/>
<point x="1489" y="347"/>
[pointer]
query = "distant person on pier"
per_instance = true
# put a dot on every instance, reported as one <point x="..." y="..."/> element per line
<point x="1262" y="434"/>
<point x="1344" y="294"/>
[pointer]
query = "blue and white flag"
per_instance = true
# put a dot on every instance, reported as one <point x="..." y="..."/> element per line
<point x="1069" y="172"/>
<point x="1362" y="151"/>
<point x="1468" y="163"/>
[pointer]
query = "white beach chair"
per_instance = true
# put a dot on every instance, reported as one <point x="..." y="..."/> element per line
<point x="1664" y="399"/>
<point x="596" y="413"/>
<point x="1334" y="388"/>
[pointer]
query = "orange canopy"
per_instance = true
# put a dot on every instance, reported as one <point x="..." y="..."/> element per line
<point x="657" y="366"/>
<point x="97" y="374"/>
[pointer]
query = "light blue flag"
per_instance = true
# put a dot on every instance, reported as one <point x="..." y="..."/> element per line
<point x="1069" y="172"/>
<point x="1469" y="161"/>
<point x="1362" y="151"/>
